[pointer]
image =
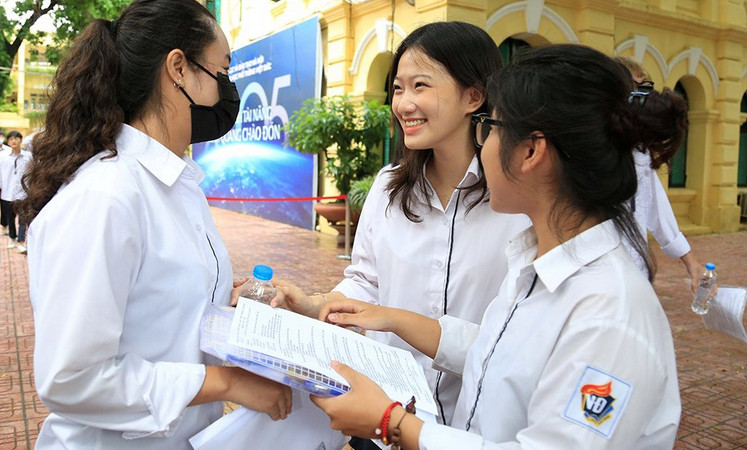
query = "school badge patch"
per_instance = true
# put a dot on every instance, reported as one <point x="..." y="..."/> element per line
<point x="598" y="401"/>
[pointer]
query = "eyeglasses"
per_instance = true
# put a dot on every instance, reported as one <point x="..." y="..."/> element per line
<point x="483" y="123"/>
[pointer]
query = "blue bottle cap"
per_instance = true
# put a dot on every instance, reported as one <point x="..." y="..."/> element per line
<point x="262" y="272"/>
<point x="710" y="266"/>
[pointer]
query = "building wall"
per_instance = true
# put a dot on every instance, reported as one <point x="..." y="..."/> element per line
<point x="32" y="75"/>
<point x="702" y="44"/>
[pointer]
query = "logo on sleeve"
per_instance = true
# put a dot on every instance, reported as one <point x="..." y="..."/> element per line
<point x="598" y="401"/>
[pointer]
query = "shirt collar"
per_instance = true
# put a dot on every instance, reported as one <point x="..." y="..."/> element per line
<point x="561" y="262"/>
<point x="22" y="154"/>
<point x="473" y="173"/>
<point x="154" y="157"/>
<point x="470" y="177"/>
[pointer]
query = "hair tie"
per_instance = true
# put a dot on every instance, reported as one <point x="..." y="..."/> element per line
<point x="642" y="90"/>
<point x="113" y="27"/>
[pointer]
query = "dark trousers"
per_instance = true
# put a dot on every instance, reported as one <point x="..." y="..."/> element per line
<point x="3" y="218"/>
<point x="7" y="209"/>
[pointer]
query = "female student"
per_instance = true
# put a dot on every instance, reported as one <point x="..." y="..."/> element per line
<point x="650" y="204"/>
<point x="427" y="240"/>
<point x="575" y="351"/>
<point x="124" y="256"/>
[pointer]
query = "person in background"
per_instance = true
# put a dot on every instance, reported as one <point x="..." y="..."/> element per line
<point x="27" y="143"/>
<point x="427" y="240"/>
<point x="124" y="255"/>
<point x="12" y="167"/>
<point x="575" y="352"/>
<point x="3" y="146"/>
<point x="650" y="205"/>
<point x="4" y="149"/>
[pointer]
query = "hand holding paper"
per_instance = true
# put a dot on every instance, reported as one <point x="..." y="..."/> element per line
<point x="357" y="313"/>
<point x="345" y="413"/>
<point x="295" y="349"/>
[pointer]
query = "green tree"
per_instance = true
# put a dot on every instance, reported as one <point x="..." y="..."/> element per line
<point x="69" y="17"/>
<point x="350" y="131"/>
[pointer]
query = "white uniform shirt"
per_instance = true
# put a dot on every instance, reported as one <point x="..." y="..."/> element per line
<point x="653" y="212"/>
<point x="120" y="272"/>
<point x="591" y="319"/>
<point x="12" y="168"/>
<point x="404" y="264"/>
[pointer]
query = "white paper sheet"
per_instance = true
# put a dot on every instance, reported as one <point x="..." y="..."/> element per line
<point x="306" y="428"/>
<point x="314" y="344"/>
<point x="726" y="313"/>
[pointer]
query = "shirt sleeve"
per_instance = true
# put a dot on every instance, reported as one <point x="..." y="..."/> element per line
<point x="457" y="336"/>
<point x="606" y="347"/>
<point x="81" y="275"/>
<point x="662" y="223"/>
<point x="361" y="280"/>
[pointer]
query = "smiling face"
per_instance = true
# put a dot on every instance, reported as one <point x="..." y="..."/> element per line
<point x="433" y="110"/>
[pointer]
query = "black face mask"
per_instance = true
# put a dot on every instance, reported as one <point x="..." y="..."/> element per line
<point x="212" y="122"/>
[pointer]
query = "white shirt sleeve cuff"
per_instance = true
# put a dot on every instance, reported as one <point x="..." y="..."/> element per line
<point x="353" y="290"/>
<point x="457" y="336"/>
<point x="165" y="420"/>
<point x="677" y="248"/>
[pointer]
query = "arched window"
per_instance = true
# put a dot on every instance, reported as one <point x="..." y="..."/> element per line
<point x="742" y="164"/>
<point x="678" y="168"/>
<point x="510" y="47"/>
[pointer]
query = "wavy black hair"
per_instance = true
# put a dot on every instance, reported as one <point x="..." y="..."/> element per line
<point x="110" y="77"/>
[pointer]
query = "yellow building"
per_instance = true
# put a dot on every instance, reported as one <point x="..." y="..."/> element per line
<point x="697" y="47"/>
<point x="31" y="74"/>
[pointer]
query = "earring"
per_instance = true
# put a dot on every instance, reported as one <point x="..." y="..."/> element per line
<point x="178" y="83"/>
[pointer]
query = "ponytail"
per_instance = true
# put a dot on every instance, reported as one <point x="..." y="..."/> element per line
<point x="83" y="117"/>
<point x="110" y="77"/>
<point x="662" y="122"/>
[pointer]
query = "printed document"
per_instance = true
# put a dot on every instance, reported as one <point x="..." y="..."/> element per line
<point x="726" y="313"/>
<point x="313" y="344"/>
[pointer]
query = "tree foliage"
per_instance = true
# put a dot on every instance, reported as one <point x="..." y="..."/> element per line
<point x="69" y="18"/>
<point x="344" y="133"/>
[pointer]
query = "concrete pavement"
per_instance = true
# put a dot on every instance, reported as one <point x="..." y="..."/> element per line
<point x="712" y="367"/>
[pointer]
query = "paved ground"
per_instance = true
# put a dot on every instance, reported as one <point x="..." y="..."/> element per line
<point x="712" y="367"/>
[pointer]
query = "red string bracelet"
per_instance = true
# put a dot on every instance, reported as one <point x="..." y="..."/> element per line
<point x="384" y="424"/>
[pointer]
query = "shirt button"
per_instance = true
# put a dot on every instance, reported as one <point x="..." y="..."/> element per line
<point x="439" y="264"/>
<point x="199" y="228"/>
<point x="434" y="310"/>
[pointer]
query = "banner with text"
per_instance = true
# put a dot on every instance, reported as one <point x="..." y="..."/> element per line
<point x="274" y="76"/>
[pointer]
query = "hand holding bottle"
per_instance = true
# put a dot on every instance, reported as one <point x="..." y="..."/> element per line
<point x="259" y="287"/>
<point x="707" y="289"/>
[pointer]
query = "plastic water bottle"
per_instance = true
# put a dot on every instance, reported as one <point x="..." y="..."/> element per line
<point x="259" y="287"/>
<point x="706" y="290"/>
